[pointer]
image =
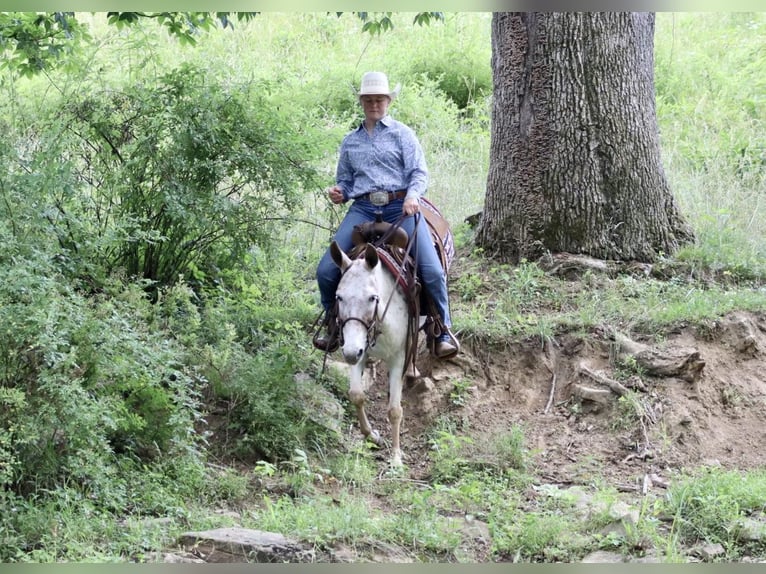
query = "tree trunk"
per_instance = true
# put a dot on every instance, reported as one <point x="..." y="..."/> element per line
<point x="575" y="159"/>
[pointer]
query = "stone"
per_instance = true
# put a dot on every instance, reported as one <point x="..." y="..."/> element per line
<point x="244" y="545"/>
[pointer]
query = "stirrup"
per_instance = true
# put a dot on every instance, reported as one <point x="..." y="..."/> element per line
<point x="434" y="330"/>
<point x="327" y="337"/>
<point x="452" y="346"/>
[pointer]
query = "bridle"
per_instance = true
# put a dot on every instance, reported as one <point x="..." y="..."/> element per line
<point x="372" y="326"/>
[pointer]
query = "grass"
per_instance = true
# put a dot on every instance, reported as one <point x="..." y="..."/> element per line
<point x="712" y="131"/>
<point x="491" y="300"/>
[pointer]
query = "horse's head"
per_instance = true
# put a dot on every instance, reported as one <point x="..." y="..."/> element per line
<point x="357" y="295"/>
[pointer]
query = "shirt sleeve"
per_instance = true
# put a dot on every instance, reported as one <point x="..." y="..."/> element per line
<point x="415" y="168"/>
<point x="344" y="175"/>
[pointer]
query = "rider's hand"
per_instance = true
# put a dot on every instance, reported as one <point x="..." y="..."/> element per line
<point x="335" y="194"/>
<point x="411" y="206"/>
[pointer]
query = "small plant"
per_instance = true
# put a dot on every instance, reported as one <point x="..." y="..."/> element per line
<point x="540" y="537"/>
<point x="264" y="469"/>
<point x="447" y="455"/>
<point x="731" y="398"/>
<point x="510" y="451"/>
<point x="461" y="390"/>
<point x="467" y="286"/>
<point x="355" y="469"/>
<point x="631" y="411"/>
<point x="627" y="366"/>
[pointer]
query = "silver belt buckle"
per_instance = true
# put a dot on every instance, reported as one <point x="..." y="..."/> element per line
<point x="379" y="198"/>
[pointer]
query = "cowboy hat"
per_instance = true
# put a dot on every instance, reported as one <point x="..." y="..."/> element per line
<point x="376" y="83"/>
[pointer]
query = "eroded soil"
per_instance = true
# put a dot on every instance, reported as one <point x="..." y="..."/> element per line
<point x="718" y="418"/>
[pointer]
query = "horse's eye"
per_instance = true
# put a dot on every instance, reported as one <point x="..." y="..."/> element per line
<point x="338" y="298"/>
<point x="373" y="298"/>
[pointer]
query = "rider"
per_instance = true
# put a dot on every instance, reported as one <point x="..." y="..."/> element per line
<point x="382" y="168"/>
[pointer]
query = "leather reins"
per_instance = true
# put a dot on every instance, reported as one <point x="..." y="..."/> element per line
<point x="372" y="326"/>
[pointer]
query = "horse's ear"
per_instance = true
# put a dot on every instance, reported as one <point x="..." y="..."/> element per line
<point x="371" y="256"/>
<point x="339" y="258"/>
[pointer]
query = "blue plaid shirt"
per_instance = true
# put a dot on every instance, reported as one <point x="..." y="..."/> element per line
<point x="391" y="159"/>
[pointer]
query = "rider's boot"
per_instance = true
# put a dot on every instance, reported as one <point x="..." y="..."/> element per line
<point x="446" y="345"/>
<point x="327" y="339"/>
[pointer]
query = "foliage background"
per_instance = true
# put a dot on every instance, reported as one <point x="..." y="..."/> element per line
<point x="161" y="214"/>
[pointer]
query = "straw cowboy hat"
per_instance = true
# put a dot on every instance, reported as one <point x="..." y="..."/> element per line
<point x="376" y="83"/>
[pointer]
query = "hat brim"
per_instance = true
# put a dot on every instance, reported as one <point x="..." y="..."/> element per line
<point x="392" y="94"/>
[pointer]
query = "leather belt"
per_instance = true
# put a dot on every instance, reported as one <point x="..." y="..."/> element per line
<point x="380" y="198"/>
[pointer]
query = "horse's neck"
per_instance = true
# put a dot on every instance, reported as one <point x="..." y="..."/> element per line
<point x="385" y="281"/>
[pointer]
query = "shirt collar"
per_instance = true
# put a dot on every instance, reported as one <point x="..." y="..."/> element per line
<point x="385" y="120"/>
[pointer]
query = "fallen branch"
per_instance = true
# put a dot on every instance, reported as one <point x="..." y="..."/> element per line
<point x="611" y="384"/>
<point x="551" y="364"/>
<point x="682" y="362"/>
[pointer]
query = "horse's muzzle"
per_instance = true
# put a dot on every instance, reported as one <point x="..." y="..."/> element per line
<point x="352" y="355"/>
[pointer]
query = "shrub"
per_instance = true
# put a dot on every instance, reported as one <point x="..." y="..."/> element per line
<point x="178" y="176"/>
<point x="83" y="383"/>
<point x="463" y="76"/>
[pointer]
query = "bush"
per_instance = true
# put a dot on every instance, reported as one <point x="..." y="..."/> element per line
<point x="84" y="381"/>
<point x="178" y="176"/>
<point x="463" y="76"/>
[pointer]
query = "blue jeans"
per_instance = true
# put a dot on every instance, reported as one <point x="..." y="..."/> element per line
<point x="430" y="270"/>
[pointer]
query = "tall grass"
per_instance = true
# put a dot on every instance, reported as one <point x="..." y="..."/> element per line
<point x="711" y="105"/>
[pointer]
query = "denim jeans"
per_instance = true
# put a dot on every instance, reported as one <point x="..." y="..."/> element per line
<point x="430" y="270"/>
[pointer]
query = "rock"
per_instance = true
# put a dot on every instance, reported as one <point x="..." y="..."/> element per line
<point x="244" y="545"/>
<point x="179" y="558"/>
<point x="742" y="334"/>
<point x="624" y="512"/>
<point x="599" y="396"/>
<point x="750" y="530"/>
<point x="319" y="404"/>
<point x="709" y="551"/>
<point x="603" y="557"/>
<point x="423" y="385"/>
<point x="648" y="559"/>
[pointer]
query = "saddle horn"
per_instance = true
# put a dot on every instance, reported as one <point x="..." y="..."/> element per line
<point x="373" y="231"/>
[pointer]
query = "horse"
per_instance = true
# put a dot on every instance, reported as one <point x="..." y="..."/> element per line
<point x="374" y="319"/>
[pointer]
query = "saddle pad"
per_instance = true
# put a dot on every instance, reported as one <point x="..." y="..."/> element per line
<point x="440" y="232"/>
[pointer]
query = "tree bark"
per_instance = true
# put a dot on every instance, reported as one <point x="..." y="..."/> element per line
<point x="575" y="160"/>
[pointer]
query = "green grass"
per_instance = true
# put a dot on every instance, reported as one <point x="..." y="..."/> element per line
<point x="712" y="124"/>
<point x="497" y="301"/>
<point x="715" y="506"/>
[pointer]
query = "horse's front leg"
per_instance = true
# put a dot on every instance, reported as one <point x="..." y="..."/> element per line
<point x="357" y="397"/>
<point x="395" y="412"/>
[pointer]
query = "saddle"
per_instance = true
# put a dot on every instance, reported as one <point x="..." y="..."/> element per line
<point x="392" y="243"/>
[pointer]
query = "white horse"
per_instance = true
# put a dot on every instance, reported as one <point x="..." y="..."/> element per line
<point x="373" y="316"/>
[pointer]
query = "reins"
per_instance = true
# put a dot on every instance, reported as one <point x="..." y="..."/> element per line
<point x="413" y="307"/>
<point x="410" y="240"/>
<point x="372" y="330"/>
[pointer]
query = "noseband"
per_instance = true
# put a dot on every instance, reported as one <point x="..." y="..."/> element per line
<point x="372" y="326"/>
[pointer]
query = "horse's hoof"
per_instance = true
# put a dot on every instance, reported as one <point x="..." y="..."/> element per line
<point x="375" y="438"/>
<point x="395" y="466"/>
